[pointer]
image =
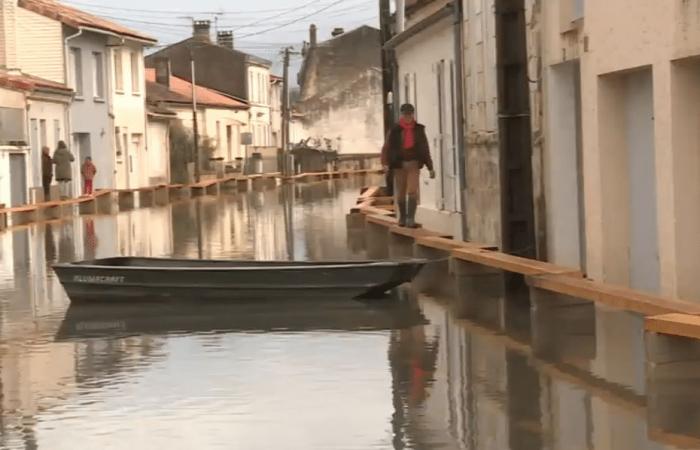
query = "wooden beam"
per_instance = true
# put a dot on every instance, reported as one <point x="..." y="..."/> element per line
<point x="446" y="244"/>
<point x="674" y="324"/>
<point x="512" y="263"/>
<point x="610" y="295"/>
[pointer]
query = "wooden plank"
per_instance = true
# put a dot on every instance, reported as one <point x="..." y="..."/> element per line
<point x="381" y="220"/>
<point x="447" y="244"/>
<point x="372" y="191"/>
<point x="415" y="232"/>
<point x="19" y="209"/>
<point x="674" y="324"/>
<point x="512" y="263"/>
<point x="375" y="211"/>
<point x="614" y="296"/>
<point x="675" y="440"/>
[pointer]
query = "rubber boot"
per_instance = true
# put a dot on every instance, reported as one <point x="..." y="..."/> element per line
<point x="411" y="206"/>
<point x="402" y="212"/>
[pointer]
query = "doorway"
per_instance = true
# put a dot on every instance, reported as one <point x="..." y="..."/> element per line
<point x="18" y="179"/>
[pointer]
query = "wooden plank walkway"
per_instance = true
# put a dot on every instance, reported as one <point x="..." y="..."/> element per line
<point x="156" y="194"/>
<point x="615" y="296"/>
<point x="675" y="324"/>
<point x="512" y="263"/>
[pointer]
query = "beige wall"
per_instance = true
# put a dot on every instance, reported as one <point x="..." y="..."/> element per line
<point x="615" y="39"/>
<point x="39" y="46"/>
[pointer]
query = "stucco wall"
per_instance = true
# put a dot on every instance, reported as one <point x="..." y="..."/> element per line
<point x="129" y="108"/>
<point x="158" y="152"/>
<point x="88" y="115"/>
<point x="614" y="37"/>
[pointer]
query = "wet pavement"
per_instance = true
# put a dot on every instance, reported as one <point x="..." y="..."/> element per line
<point x="455" y="362"/>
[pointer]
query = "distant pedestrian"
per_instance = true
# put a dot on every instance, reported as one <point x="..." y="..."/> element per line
<point x="405" y="152"/>
<point x="63" y="158"/>
<point x="46" y="172"/>
<point x="88" y="171"/>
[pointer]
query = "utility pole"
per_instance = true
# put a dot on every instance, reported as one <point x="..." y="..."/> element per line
<point x="460" y="110"/>
<point x="287" y="170"/>
<point x="387" y="73"/>
<point x="195" y="130"/>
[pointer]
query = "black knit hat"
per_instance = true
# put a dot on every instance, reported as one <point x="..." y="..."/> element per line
<point x="407" y="108"/>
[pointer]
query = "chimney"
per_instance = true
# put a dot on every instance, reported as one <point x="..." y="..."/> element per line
<point x="337" y="32"/>
<point x="312" y="36"/>
<point x="225" y="39"/>
<point x="200" y="30"/>
<point x="162" y="67"/>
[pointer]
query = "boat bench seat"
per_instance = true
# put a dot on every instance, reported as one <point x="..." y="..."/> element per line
<point x="674" y="324"/>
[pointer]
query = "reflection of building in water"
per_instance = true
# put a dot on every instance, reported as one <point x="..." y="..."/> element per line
<point x="144" y="232"/>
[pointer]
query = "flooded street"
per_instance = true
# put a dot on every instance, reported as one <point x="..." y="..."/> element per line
<point x="469" y="362"/>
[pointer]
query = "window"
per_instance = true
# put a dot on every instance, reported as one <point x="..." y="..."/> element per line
<point x="43" y="138"/>
<point x="98" y="76"/>
<point x="118" y="71"/>
<point x="135" y="79"/>
<point x="118" y="140"/>
<point x="251" y="90"/>
<point x="57" y="131"/>
<point x="218" y="135"/>
<point x="76" y="75"/>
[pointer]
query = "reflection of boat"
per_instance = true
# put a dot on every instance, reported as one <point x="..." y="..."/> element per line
<point x="155" y="278"/>
<point x="304" y="314"/>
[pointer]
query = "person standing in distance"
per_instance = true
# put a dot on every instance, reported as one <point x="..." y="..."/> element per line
<point x="405" y="152"/>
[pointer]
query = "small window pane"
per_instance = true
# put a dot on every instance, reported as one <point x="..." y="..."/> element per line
<point x="77" y="73"/>
<point x="98" y="75"/>
<point x="135" y="79"/>
<point x="118" y="71"/>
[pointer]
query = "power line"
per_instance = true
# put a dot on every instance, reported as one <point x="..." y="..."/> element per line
<point x="286" y="11"/>
<point x="337" y="2"/>
<point x="175" y="12"/>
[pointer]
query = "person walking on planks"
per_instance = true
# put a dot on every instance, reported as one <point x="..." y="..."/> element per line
<point x="88" y="171"/>
<point x="405" y="152"/>
<point x="46" y="172"/>
<point x="63" y="158"/>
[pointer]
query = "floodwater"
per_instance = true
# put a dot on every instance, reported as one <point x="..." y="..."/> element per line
<point x="469" y="362"/>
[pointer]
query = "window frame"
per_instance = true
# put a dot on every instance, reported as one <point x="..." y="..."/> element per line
<point x="76" y="72"/>
<point x="118" y="63"/>
<point x="135" y="73"/>
<point x="98" y="76"/>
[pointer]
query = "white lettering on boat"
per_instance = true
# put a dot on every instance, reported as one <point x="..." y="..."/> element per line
<point x="97" y="326"/>
<point x="105" y="279"/>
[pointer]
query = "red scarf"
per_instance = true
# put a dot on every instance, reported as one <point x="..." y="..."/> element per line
<point x="409" y="136"/>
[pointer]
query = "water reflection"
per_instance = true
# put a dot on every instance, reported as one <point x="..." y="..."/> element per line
<point x="474" y="361"/>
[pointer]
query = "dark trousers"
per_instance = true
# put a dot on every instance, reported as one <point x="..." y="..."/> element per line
<point x="389" y="177"/>
<point x="46" y="181"/>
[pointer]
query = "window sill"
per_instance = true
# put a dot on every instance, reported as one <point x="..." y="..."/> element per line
<point x="98" y="100"/>
<point x="136" y="94"/>
<point x="79" y="98"/>
<point x="119" y="92"/>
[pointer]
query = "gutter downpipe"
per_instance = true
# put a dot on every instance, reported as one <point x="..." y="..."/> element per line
<point x="461" y="116"/>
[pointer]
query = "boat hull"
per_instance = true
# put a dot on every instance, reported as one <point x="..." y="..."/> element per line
<point x="128" y="279"/>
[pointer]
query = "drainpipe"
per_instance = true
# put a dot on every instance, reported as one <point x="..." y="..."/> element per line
<point x="400" y="15"/>
<point x="461" y="113"/>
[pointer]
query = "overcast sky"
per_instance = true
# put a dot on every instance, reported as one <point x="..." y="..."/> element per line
<point x="261" y="27"/>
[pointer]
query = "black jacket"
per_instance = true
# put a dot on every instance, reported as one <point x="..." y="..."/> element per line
<point x="393" y="153"/>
